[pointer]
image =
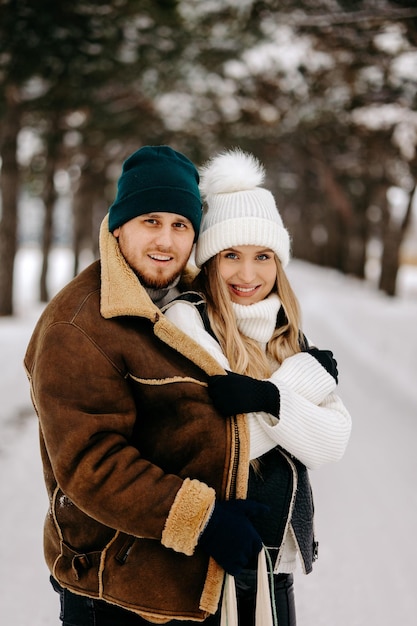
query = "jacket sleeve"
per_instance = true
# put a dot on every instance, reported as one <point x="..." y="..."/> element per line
<point x="87" y="415"/>
<point x="314" y="425"/>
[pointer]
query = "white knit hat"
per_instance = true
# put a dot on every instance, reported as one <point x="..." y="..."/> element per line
<point x="238" y="212"/>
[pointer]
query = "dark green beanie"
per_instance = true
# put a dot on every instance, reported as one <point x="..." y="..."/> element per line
<point x="157" y="178"/>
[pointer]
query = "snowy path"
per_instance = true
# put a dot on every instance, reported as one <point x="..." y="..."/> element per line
<point x="26" y="598"/>
<point x="366" y="504"/>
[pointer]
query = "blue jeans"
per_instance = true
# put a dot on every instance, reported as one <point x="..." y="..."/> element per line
<point x="82" y="611"/>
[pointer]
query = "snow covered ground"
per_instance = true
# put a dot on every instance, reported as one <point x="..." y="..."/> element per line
<point x="366" y="505"/>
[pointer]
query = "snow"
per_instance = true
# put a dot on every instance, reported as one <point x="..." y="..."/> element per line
<point x="366" y="505"/>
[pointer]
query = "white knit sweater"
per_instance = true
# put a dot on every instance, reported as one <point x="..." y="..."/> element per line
<point x="313" y="425"/>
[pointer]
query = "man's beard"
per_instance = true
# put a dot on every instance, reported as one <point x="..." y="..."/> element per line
<point x="156" y="283"/>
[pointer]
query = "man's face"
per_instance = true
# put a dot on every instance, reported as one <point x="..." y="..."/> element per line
<point x="157" y="246"/>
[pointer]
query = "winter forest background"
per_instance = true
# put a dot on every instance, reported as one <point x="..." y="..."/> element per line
<point x="324" y="93"/>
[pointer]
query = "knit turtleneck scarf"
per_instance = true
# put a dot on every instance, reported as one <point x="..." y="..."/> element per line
<point x="161" y="297"/>
<point x="258" y="321"/>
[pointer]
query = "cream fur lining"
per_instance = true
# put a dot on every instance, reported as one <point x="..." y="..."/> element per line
<point x="167" y="381"/>
<point x="188" y="516"/>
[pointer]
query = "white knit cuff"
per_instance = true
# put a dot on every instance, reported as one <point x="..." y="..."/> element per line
<point x="303" y="374"/>
<point x="260" y="440"/>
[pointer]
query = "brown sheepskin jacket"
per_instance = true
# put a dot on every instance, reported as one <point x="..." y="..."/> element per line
<point x="134" y="454"/>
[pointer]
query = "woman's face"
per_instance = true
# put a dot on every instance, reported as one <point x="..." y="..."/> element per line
<point x="250" y="273"/>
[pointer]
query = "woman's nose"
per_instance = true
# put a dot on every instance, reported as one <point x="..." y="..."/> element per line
<point x="246" y="272"/>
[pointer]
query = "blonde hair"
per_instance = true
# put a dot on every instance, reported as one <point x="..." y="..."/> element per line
<point x="245" y="356"/>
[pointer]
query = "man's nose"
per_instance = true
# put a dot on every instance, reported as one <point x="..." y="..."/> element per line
<point x="163" y="238"/>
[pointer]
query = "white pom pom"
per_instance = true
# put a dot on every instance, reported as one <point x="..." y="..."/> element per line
<point x="231" y="171"/>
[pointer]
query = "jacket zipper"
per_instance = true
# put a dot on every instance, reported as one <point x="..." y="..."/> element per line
<point x="232" y="490"/>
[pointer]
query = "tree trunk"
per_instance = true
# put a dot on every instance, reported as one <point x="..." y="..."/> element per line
<point x="392" y="240"/>
<point x="9" y="182"/>
<point x="89" y="209"/>
<point x="82" y="210"/>
<point x="390" y="261"/>
<point x="49" y="198"/>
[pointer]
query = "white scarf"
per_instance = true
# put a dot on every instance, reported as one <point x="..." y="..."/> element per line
<point x="258" y="321"/>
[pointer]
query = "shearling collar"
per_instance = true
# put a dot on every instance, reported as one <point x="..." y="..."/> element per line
<point x="122" y="294"/>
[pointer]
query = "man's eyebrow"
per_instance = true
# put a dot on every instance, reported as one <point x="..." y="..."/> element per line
<point x="181" y="218"/>
<point x="176" y="216"/>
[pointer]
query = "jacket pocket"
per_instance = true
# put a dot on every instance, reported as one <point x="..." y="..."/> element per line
<point x="78" y="570"/>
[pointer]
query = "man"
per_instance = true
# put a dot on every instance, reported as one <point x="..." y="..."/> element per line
<point x="145" y="478"/>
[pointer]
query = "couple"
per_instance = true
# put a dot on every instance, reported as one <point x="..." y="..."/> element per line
<point x="175" y="445"/>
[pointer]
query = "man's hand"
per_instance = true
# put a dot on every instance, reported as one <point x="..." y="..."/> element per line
<point x="236" y="393"/>
<point x="230" y="537"/>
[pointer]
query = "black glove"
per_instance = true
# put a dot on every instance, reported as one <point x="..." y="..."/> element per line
<point x="236" y="393"/>
<point x="326" y="360"/>
<point x="230" y="537"/>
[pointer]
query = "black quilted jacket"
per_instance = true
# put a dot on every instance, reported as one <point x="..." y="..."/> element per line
<point x="283" y="484"/>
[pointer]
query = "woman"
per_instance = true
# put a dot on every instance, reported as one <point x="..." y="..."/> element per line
<point x="245" y="313"/>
